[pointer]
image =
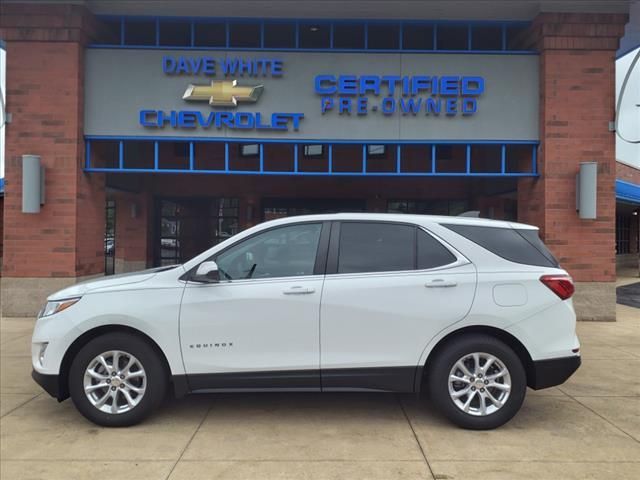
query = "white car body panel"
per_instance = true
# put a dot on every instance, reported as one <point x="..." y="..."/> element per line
<point x="382" y="319"/>
<point x="268" y="328"/>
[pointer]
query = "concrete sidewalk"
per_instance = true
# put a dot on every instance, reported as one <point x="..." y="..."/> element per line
<point x="587" y="428"/>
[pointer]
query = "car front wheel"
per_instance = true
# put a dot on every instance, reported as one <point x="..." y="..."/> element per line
<point x="478" y="382"/>
<point x="117" y="380"/>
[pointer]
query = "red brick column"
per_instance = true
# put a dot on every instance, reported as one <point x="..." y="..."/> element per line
<point x="577" y="68"/>
<point x="45" y="77"/>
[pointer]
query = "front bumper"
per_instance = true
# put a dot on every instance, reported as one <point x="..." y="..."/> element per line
<point x="548" y="373"/>
<point x="50" y="383"/>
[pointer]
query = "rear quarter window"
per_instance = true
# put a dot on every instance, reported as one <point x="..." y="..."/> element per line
<point x="519" y="246"/>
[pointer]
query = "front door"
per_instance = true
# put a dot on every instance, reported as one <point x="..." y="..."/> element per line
<point x="390" y="288"/>
<point x="259" y="326"/>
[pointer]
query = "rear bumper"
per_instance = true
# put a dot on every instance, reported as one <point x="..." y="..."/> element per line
<point x="50" y="383"/>
<point x="548" y="373"/>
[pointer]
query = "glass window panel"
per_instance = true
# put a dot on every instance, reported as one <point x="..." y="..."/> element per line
<point x="375" y="247"/>
<point x="282" y="252"/>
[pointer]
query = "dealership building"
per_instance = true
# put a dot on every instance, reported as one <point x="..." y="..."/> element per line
<point x="148" y="131"/>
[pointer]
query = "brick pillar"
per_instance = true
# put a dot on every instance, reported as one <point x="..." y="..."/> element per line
<point x="577" y="67"/>
<point x="47" y="251"/>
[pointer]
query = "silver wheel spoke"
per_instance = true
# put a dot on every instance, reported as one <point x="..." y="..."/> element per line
<point x="496" y="375"/>
<point x="460" y="393"/>
<point x="493" y="399"/>
<point x="500" y="386"/>
<point x="103" y="399"/>
<point x="463" y="367"/>
<point x="487" y="365"/>
<point x="455" y="378"/>
<point x="467" y="404"/>
<point x="133" y="388"/>
<point x="483" y="404"/>
<point x="114" y="403"/>
<point x="114" y="361"/>
<point x="127" y="397"/>
<point x="476" y="363"/>
<point x="110" y="393"/>
<point x="96" y="375"/>
<point x="91" y="388"/>
<point x="104" y="363"/>
<point x="475" y="398"/>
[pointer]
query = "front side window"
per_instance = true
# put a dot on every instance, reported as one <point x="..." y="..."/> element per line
<point x="282" y="252"/>
<point x="375" y="247"/>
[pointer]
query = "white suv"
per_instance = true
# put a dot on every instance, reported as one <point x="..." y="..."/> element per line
<point x="472" y="310"/>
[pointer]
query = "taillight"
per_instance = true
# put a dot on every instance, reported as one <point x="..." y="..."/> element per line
<point x="561" y="285"/>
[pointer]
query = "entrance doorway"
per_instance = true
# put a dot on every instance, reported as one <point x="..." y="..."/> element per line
<point x="186" y="227"/>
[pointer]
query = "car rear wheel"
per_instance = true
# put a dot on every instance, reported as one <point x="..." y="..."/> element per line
<point x="478" y="382"/>
<point x="117" y="380"/>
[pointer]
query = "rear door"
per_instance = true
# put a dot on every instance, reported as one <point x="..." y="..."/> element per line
<point x="389" y="289"/>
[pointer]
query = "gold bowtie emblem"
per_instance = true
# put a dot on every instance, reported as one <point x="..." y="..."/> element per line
<point x="225" y="93"/>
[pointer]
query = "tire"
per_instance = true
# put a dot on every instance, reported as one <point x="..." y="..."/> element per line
<point x="474" y="390"/>
<point x="136" y="395"/>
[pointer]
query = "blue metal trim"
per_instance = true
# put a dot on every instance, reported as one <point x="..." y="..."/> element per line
<point x="156" y="156"/>
<point x="503" y="158"/>
<point x="534" y="159"/>
<point x="627" y="192"/>
<point x="192" y="33"/>
<point x="227" y="34"/>
<point x="261" y="150"/>
<point x="433" y="158"/>
<point x="159" y="20"/>
<point x="364" y="159"/>
<point x="313" y="140"/>
<point x="315" y="50"/>
<point x="332" y="173"/>
<point x="87" y="153"/>
<point x="330" y="159"/>
<point x="363" y="171"/>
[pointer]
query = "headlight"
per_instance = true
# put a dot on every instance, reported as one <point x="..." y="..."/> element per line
<point x="57" y="306"/>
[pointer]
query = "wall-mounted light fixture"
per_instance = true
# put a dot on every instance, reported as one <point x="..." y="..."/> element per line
<point x="32" y="184"/>
<point x="587" y="190"/>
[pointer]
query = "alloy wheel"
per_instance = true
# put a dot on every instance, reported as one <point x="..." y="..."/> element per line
<point x="115" y="382"/>
<point x="479" y="384"/>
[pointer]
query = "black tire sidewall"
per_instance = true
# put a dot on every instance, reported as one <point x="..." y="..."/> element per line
<point x="136" y="346"/>
<point x="439" y="380"/>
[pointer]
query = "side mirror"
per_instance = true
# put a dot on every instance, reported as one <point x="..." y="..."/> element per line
<point x="207" y="272"/>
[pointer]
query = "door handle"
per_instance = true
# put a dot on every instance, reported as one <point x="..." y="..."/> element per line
<point x="298" y="290"/>
<point x="441" y="283"/>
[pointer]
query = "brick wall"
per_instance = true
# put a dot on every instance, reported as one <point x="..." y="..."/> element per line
<point x="577" y="54"/>
<point x="45" y="94"/>
<point x="627" y="173"/>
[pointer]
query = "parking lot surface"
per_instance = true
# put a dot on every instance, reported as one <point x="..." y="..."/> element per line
<point x="586" y="428"/>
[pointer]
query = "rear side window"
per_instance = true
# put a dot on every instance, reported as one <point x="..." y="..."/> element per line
<point x="519" y="246"/>
<point x="375" y="247"/>
<point x="431" y="253"/>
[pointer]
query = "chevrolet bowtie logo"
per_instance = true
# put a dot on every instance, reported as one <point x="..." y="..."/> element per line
<point x="225" y="93"/>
